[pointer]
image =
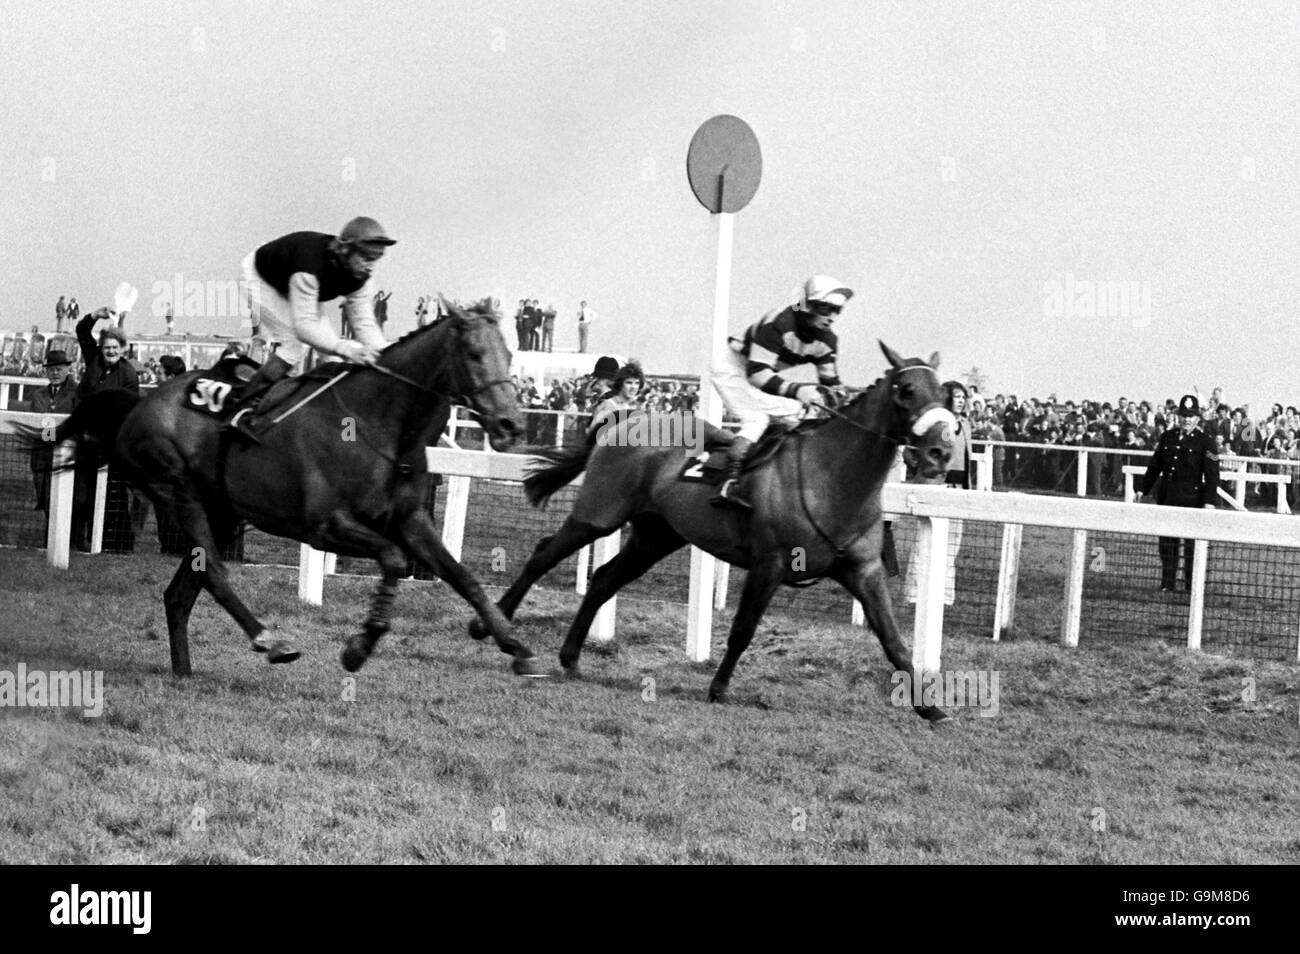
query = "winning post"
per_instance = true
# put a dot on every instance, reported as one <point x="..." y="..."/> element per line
<point x="724" y="166"/>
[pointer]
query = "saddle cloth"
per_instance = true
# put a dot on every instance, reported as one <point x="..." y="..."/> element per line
<point x="210" y="392"/>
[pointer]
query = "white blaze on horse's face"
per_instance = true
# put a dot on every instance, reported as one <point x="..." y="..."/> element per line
<point x="936" y="415"/>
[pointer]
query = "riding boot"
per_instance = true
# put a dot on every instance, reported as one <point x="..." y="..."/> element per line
<point x="730" y="492"/>
<point x="249" y="395"/>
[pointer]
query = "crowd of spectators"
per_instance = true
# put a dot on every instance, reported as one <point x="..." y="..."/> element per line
<point x="1124" y="425"/>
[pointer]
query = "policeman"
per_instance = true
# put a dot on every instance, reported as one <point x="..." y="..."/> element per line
<point x="1187" y="466"/>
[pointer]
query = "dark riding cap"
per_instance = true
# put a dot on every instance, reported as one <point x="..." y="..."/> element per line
<point x="606" y="367"/>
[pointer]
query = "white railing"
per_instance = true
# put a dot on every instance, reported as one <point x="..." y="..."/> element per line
<point x="13" y="388"/>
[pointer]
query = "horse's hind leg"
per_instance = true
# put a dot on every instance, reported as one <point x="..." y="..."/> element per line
<point x="652" y="539"/>
<point x="761" y="583"/>
<point x="548" y="553"/>
<point x="422" y="542"/>
<point x="207" y="564"/>
<point x="866" y="581"/>
<point x="178" y="599"/>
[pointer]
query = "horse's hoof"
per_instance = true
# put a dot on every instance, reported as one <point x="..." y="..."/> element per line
<point x="277" y="648"/>
<point x="571" y="670"/>
<point x="530" y="667"/>
<point x="937" y="718"/>
<point x="282" y="652"/>
<point x="477" y="630"/>
<point x="355" y="653"/>
<point x="718" y="693"/>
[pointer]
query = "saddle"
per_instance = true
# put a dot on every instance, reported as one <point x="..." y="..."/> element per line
<point x="711" y="466"/>
<point x="216" y="391"/>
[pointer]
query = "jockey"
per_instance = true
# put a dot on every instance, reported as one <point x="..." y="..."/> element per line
<point x="286" y="282"/>
<point x="748" y="378"/>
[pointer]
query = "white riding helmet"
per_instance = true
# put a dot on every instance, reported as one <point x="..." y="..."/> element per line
<point x="825" y="289"/>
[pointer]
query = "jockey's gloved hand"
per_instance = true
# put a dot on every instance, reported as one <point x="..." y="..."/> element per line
<point x="357" y="353"/>
<point x="810" y="394"/>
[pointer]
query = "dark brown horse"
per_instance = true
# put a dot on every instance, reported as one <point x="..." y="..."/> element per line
<point x="817" y="511"/>
<point x="345" y="473"/>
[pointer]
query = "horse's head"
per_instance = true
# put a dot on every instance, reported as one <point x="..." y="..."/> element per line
<point x="482" y="363"/>
<point x="919" y="415"/>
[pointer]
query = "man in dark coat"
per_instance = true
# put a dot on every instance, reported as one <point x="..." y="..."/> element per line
<point x="58" y="397"/>
<point x="1186" y="465"/>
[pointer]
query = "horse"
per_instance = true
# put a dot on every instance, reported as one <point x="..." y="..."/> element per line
<point x="342" y="469"/>
<point x="817" y="510"/>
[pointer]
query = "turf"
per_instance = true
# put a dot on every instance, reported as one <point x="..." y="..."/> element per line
<point x="1107" y="753"/>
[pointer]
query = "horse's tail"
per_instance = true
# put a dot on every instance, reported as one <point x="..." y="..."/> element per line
<point x="100" y="416"/>
<point x="566" y="463"/>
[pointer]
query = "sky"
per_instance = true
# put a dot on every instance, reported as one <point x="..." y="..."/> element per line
<point x="1085" y="199"/>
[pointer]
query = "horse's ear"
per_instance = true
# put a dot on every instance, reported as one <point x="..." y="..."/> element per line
<point x="450" y="309"/>
<point x="934" y="361"/>
<point x="891" y="354"/>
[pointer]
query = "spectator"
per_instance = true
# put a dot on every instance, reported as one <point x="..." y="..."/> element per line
<point x="623" y="396"/>
<point x="548" y="328"/>
<point x="585" y="317"/>
<point x="57" y="397"/>
<point x="60" y="313"/>
<point x="170" y="366"/>
<point x="381" y="308"/>
<point x="521" y="324"/>
<point x="106" y="369"/>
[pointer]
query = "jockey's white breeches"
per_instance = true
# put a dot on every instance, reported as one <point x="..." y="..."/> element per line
<point x="753" y="407"/>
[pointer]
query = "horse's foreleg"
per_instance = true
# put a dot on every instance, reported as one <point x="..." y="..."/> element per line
<point x="652" y="539"/>
<point x="205" y="561"/>
<point x="548" y="553"/>
<point x="760" y="586"/>
<point x="866" y="581"/>
<point x="422" y="542"/>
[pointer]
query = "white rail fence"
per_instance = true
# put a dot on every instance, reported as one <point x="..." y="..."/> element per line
<point x="932" y="506"/>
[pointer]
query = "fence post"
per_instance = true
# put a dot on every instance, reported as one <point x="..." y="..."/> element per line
<point x="4" y="396"/>
<point x="1241" y="486"/>
<point x="1081" y="476"/>
<point x="101" y="505"/>
<point x="453" y="518"/>
<point x="1196" y="617"/>
<point x="721" y="577"/>
<point x="1074" y="589"/>
<point x="58" y="533"/>
<point x="606" y="548"/>
<point x="311" y="574"/>
<point x="1004" y="612"/>
<point x="559" y="429"/>
<point x="932" y="565"/>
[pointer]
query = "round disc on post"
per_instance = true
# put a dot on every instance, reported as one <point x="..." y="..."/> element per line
<point x="724" y="164"/>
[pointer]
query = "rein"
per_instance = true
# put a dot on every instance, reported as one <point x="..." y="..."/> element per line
<point x="841" y="549"/>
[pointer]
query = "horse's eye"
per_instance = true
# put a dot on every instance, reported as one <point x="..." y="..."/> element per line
<point x="907" y="391"/>
<point x="476" y="356"/>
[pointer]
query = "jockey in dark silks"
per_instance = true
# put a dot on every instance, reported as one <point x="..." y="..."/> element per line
<point x="749" y="380"/>
<point x="286" y="282"/>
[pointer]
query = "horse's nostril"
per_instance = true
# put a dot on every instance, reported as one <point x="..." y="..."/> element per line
<point x="507" y="426"/>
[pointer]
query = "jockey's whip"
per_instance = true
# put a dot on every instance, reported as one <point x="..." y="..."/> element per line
<point x="313" y="396"/>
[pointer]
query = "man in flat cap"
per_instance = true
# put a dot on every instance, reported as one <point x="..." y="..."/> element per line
<point x="1186" y="465"/>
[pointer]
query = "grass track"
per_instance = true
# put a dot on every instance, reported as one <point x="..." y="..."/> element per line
<point x="445" y="757"/>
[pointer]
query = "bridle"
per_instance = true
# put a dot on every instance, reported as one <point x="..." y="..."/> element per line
<point x="912" y="424"/>
<point x="918" y="424"/>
